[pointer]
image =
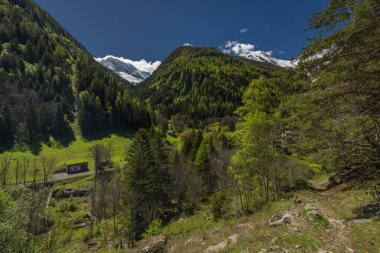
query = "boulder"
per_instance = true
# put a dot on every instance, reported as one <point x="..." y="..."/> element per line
<point x="154" y="244"/>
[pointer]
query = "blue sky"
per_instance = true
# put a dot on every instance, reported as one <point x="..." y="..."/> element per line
<point x="152" y="29"/>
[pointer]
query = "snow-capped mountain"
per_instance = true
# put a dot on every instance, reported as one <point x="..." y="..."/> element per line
<point x="133" y="71"/>
<point x="248" y="51"/>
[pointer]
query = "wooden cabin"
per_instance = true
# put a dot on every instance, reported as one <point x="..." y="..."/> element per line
<point x="76" y="166"/>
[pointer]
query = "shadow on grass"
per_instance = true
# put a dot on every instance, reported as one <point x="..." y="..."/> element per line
<point x="65" y="137"/>
<point x="5" y="146"/>
<point x="122" y="132"/>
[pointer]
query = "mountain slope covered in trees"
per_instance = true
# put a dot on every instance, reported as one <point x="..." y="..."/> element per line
<point x="47" y="79"/>
<point x="200" y="82"/>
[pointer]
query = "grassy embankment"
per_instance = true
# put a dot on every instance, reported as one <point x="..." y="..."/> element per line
<point x="79" y="148"/>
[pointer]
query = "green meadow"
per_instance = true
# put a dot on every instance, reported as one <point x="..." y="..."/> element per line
<point x="78" y="149"/>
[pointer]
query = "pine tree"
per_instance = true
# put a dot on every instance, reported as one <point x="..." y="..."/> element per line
<point x="343" y="64"/>
<point x="140" y="178"/>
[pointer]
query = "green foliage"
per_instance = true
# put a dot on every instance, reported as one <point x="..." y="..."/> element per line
<point x="341" y="109"/>
<point x="200" y="83"/>
<point x="45" y="72"/>
<point x="67" y="205"/>
<point x="13" y="217"/>
<point x="154" y="228"/>
<point x="219" y="205"/>
<point x="202" y="158"/>
<point x="147" y="181"/>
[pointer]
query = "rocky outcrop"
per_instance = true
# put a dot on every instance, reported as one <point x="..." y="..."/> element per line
<point x="154" y="244"/>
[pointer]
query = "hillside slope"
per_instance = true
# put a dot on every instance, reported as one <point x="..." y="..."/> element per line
<point x="47" y="79"/>
<point x="200" y="82"/>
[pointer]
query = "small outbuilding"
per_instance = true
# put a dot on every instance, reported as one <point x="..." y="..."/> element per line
<point x="76" y="166"/>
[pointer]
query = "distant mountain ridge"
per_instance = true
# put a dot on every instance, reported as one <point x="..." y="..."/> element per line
<point x="133" y="71"/>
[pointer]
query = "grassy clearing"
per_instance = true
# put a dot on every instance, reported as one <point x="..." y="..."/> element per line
<point x="77" y="150"/>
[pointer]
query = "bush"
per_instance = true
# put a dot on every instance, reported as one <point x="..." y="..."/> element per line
<point x="219" y="205"/>
<point x="154" y="228"/>
<point x="67" y="205"/>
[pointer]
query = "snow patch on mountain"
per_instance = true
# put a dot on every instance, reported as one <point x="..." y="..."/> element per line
<point x="248" y="51"/>
<point x="133" y="71"/>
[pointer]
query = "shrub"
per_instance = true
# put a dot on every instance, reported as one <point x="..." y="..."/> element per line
<point x="219" y="205"/>
<point x="154" y="228"/>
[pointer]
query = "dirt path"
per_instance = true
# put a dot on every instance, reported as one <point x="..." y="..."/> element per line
<point x="338" y="231"/>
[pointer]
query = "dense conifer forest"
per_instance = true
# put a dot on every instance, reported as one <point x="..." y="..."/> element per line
<point x="48" y="80"/>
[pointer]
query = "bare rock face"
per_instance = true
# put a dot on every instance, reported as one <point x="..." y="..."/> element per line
<point x="154" y="244"/>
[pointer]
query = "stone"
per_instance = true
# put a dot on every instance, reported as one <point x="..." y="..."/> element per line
<point x="231" y="240"/>
<point x="297" y="200"/>
<point x="324" y="251"/>
<point x="298" y="246"/>
<point x="154" y="244"/>
<point x="216" y="248"/>
<point x="310" y="207"/>
<point x="277" y="220"/>
<point x="349" y="250"/>
<point x="246" y="226"/>
<point x="376" y="195"/>
<point x="192" y="241"/>
<point x="362" y="221"/>
<point x="314" y="214"/>
<point x="274" y="248"/>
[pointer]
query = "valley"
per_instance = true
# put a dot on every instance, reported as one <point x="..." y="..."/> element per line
<point x="213" y="149"/>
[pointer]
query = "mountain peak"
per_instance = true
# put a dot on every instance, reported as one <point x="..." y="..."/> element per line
<point x="132" y="71"/>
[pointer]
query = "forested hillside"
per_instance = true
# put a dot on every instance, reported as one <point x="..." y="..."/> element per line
<point x="47" y="79"/>
<point x="200" y="83"/>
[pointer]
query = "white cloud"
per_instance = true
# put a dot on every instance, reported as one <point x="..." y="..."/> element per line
<point x="143" y="65"/>
<point x="243" y="30"/>
<point x="187" y="45"/>
<point x="236" y="48"/>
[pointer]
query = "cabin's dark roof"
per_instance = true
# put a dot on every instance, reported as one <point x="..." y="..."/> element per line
<point x="75" y="162"/>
